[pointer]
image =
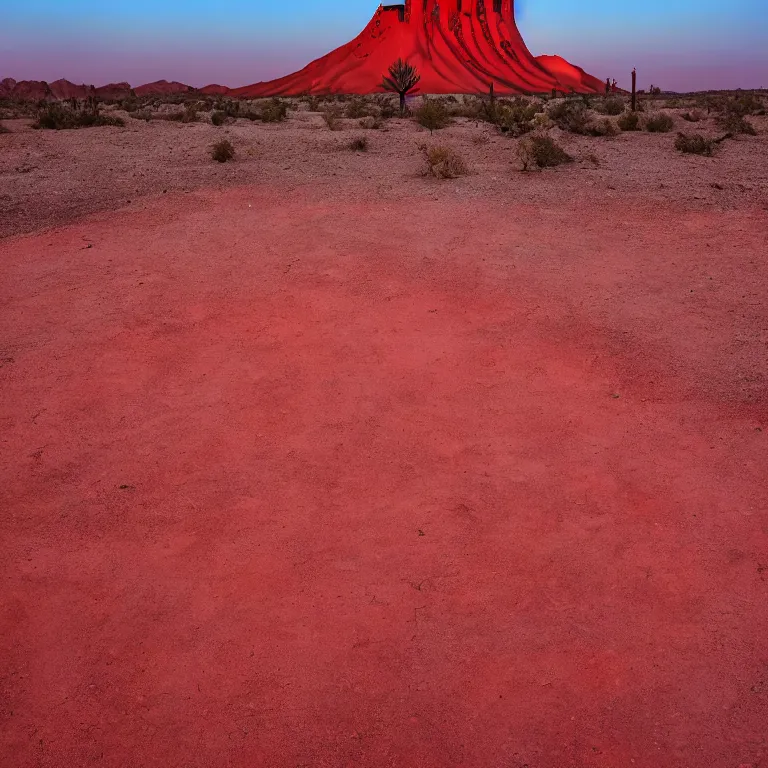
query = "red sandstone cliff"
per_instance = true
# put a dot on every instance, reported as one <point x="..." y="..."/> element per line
<point x="457" y="46"/>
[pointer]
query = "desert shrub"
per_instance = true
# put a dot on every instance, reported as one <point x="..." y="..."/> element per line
<point x="443" y="162"/>
<point x="332" y="117"/>
<point x="222" y="151"/>
<point x="470" y="107"/>
<point x="604" y="127"/>
<point x="218" y="117"/>
<point x="743" y="105"/>
<point x="518" y="116"/>
<point x="142" y="114"/>
<point x="274" y="111"/>
<point x="541" y="151"/>
<point x="629" y="121"/>
<point x="736" y="123"/>
<point x="189" y="115"/>
<point x="357" y="108"/>
<point x="611" y="105"/>
<point x="3" y="129"/>
<point x="58" y="117"/>
<point x="694" y="144"/>
<point x="659" y="122"/>
<point x="312" y="102"/>
<point x="359" y="144"/>
<point x="571" y="116"/>
<point x="388" y="108"/>
<point x="371" y="123"/>
<point x="694" y="116"/>
<point x="432" y="114"/>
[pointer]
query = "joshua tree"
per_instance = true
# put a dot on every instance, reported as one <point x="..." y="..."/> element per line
<point x="402" y="79"/>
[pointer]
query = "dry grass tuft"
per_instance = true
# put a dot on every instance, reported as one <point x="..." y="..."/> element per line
<point x="443" y="162"/>
<point x="222" y="151"/>
<point x="659" y="122"/>
<point x="629" y="121"/>
<point x="57" y="117"/>
<point x="332" y="117"/>
<point x="695" y="144"/>
<point x="541" y="151"/>
<point x="359" y="144"/>
<point x="433" y="115"/>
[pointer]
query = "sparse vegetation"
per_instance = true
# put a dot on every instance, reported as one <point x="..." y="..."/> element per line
<point x="433" y="115"/>
<point x="357" y="108"/>
<point x="222" y="151"/>
<point x="693" y="116"/>
<point x="610" y="105"/>
<point x="218" y="117"/>
<point x="3" y="129"/>
<point x="570" y="115"/>
<point x="629" y="121"/>
<point x="541" y="151"/>
<point x="359" y="144"/>
<point x="659" y="122"/>
<point x="332" y="117"/>
<point x="604" y="127"/>
<point x="443" y="162"/>
<point x="58" y="117"/>
<point x="274" y="111"/>
<point x="403" y="78"/>
<point x="695" y="144"/>
<point x="370" y="123"/>
<point x="733" y="122"/>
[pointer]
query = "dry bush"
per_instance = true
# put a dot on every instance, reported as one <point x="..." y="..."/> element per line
<point x="610" y="105"/>
<point x="189" y="115"/>
<point x="3" y="129"/>
<point x="274" y="111"/>
<point x="222" y="151"/>
<point x="312" y="102"/>
<point x="735" y="123"/>
<point x="744" y="104"/>
<point x="695" y="144"/>
<point x="142" y="114"/>
<point x="518" y="116"/>
<point x="357" y="108"/>
<point x="604" y="127"/>
<point x="629" y="121"/>
<point x="218" y="117"/>
<point x="370" y="122"/>
<point x="443" y="162"/>
<point x="57" y="117"/>
<point x="388" y="107"/>
<point x="659" y="122"/>
<point x="432" y="114"/>
<point x="694" y="116"/>
<point x="359" y="144"/>
<point x="570" y="115"/>
<point x="332" y="117"/>
<point x="471" y="107"/>
<point x="541" y="151"/>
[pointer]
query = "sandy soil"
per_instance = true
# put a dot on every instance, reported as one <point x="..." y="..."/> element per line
<point x="369" y="469"/>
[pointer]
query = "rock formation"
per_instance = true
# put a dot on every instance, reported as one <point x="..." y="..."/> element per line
<point x="458" y="46"/>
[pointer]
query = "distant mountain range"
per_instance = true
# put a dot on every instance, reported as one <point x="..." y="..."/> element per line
<point x="39" y="90"/>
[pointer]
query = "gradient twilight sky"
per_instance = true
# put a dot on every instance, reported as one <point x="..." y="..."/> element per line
<point x="677" y="44"/>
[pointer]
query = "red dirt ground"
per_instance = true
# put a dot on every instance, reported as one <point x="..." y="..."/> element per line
<point x="290" y="482"/>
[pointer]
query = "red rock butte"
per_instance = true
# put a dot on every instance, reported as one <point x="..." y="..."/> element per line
<point x="457" y="46"/>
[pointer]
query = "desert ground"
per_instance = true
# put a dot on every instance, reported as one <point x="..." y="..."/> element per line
<point x="311" y="459"/>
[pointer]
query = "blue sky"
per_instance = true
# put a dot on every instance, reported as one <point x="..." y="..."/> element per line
<point x="678" y="44"/>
